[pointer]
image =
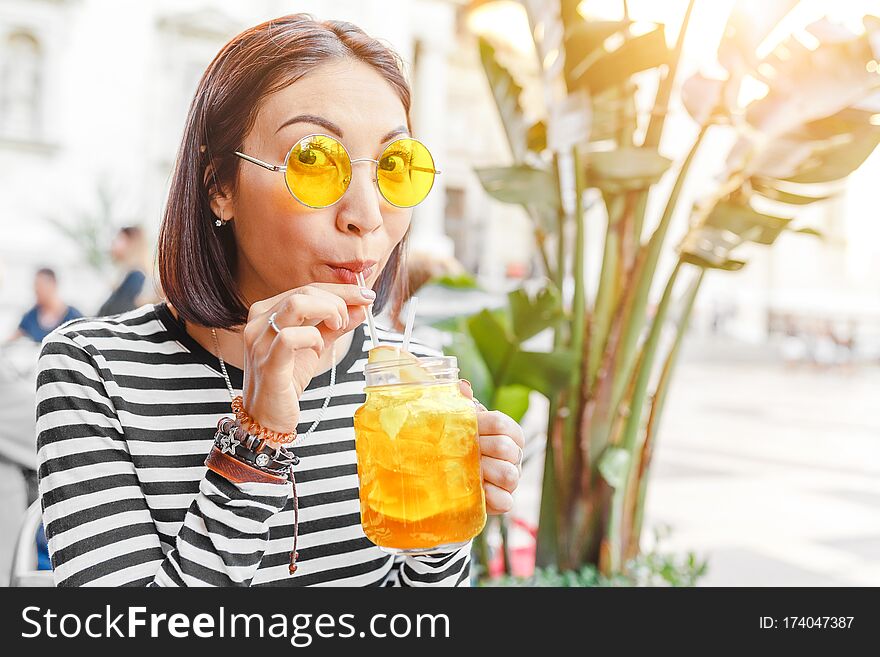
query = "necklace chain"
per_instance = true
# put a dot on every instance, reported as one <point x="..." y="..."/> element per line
<point x="323" y="410"/>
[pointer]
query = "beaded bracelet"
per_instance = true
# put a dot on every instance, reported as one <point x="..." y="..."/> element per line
<point x="256" y="429"/>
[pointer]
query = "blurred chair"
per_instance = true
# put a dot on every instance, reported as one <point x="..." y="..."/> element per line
<point x="24" y="559"/>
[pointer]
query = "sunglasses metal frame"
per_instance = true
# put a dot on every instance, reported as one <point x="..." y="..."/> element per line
<point x="283" y="168"/>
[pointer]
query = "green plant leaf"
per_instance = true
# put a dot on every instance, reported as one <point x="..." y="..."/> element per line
<point x="809" y="231"/>
<point x="583" y="45"/>
<point x="547" y="373"/>
<point x="626" y="168"/>
<point x="638" y="53"/>
<point x="457" y="282"/>
<point x="765" y="187"/>
<point x="492" y="339"/>
<point x="450" y="324"/>
<point x="840" y="160"/>
<point x="532" y="314"/>
<point x="747" y="223"/>
<point x="471" y="366"/>
<point x="806" y="85"/>
<point x="512" y="400"/>
<point x="614" y="466"/>
<point x="520" y="184"/>
<point x="506" y="92"/>
<point x="725" y="265"/>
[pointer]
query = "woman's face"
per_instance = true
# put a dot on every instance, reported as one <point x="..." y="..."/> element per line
<point x="283" y="244"/>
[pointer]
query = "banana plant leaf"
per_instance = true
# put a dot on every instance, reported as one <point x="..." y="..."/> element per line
<point x="746" y="223"/>
<point x="768" y="188"/>
<point x="532" y="314"/>
<point x="520" y="184"/>
<point x="508" y="364"/>
<point x="471" y="365"/>
<point x="506" y="92"/>
<point x="840" y="160"/>
<point x="492" y="338"/>
<point x="583" y="45"/>
<point x="806" y="85"/>
<point x="728" y="264"/>
<point x="455" y="282"/>
<point x="512" y="400"/>
<point x="626" y="168"/>
<point x="548" y="373"/>
<point x="636" y="54"/>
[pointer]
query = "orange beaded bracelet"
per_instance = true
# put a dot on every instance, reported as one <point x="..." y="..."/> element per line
<point x="256" y="429"/>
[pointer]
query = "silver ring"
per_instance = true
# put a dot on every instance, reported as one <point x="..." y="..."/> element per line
<point x="273" y="324"/>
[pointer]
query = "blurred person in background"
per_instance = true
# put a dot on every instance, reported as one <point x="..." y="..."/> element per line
<point x="129" y="251"/>
<point x="50" y="310"/>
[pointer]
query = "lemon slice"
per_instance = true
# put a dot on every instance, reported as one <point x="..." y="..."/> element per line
<point x="409" y="371"/>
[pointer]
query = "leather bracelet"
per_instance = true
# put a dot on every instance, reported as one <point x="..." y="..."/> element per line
<point x="238" y="471"/>
<point x="232" y="438"/>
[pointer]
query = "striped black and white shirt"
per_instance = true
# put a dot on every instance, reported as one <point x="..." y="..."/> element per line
<point x="127" y="408"/>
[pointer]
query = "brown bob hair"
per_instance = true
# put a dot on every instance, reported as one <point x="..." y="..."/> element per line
<point x="197" y="261"/>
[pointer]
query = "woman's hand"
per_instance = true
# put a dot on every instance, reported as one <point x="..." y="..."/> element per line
<point x="279" y="366"/>
<point x="501" y="448"/>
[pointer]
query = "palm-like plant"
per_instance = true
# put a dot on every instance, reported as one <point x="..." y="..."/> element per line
<point x="594" y="152"/>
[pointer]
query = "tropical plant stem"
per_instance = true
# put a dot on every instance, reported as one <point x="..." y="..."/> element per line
<point x="571" y="440"/>
<point x="637" y="394"/>
<point x="604" y="308"/>
<point x="657" y="403"/>
<point x="634" y="317"/>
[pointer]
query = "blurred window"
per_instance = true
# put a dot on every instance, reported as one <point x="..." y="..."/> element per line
<point x="20" y="85"/>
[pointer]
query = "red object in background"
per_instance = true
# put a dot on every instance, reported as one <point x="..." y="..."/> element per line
<point x="517" y="270"/>
<point x="522" y="558"/>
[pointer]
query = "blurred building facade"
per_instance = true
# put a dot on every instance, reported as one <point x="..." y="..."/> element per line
<point x="94" y="94"/>
<point x="93" y="99"/>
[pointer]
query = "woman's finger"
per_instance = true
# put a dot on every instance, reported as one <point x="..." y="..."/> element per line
<point x="498" y="500"/>
<point x="277" y="367"/>
<point x="311" y="309"/>
<point x="503" y="474"/>
<point x="500" y="447"/>
<point x="496" y="422"/>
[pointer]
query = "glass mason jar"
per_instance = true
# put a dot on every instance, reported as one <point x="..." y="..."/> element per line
<point x="418" y="454"/>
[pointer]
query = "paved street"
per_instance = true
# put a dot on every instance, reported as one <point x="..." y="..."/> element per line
<point x="771" y="472"/>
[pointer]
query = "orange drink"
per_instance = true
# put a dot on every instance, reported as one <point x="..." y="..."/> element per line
<point x="418" y="455"/>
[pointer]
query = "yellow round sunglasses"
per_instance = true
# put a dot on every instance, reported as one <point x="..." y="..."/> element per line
<point x="317" y="171"/>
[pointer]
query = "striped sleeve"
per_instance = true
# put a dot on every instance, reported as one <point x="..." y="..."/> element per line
<point x="446" y="569"/>
<point x="98" y="524"/>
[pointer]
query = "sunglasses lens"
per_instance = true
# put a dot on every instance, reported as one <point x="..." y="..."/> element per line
<point x="318" y="171"/>
<point x="405" y="173"/>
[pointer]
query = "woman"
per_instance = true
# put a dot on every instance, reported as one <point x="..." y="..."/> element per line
<point x="130" y="252"/>
<point x="260" y="281"/>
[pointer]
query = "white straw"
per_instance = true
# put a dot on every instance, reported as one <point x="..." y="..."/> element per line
<point x="360" y="280"/>
<point x="410" y="320"/>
